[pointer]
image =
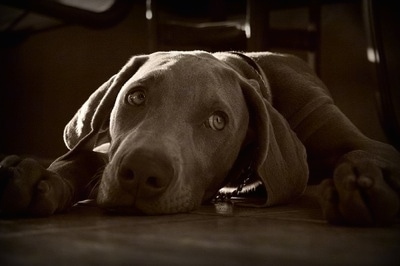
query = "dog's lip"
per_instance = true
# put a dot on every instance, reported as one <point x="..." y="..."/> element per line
<point x="132" y="211"/>
<point x="123" y="210"/>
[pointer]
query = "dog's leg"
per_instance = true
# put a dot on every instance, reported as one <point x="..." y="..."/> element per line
<point x="362" y="185"/>
<point x="28" y="188"/>
<point x="364" y="188"/>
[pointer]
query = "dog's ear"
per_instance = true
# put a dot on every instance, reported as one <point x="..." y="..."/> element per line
<point x="89" y="127"/>
<point x="280" y="157"/>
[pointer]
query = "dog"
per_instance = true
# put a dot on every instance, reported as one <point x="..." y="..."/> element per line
<point x="171" y="129"/>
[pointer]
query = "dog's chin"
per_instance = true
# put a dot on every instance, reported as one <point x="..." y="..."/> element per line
<point x="138" y="211"/>
<point x="128" y="211"/>
<point x="126" y="204"/>
<point x="134" y="211"/>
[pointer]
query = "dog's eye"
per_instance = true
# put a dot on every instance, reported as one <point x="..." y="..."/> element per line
<point x="136" y="97"/>
<point x="216" y="121"/>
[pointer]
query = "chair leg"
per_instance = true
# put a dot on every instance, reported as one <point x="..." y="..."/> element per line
<point x="314" y="16"/>
<point x="258" y="20"/>
<point x="152" y="16"/>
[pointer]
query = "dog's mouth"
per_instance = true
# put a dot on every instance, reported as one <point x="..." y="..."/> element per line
<point x="113" y="200"/>
<point x="141" y="183"/>
<point x="134" y="210"/>
<point x="124" y="211"/>
<point x="114" y="210"/>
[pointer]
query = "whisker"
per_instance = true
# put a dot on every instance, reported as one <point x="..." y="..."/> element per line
<point x="94" y="183"/>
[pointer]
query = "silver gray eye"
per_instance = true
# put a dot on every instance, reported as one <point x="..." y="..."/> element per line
<point x="137" y="97"/>
<point x="217" y="121"/>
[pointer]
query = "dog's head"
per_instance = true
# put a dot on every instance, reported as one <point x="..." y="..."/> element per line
<point x="177" y="123"/>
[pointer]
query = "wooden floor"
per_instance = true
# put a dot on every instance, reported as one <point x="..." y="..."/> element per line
<point x="214" y="235"/>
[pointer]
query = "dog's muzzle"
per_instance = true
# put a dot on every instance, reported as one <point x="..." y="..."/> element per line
<point x="148" y="176"/>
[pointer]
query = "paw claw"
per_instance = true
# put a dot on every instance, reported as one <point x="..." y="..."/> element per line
<point x="365" y="182"/>
<point x="367" y="195"/>
<point x="331" y="196"/>
<point x="43" y="187"/>
<point x="350" y="182"/>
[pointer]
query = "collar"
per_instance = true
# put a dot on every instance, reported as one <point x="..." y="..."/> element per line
<point x="260" y="73"/>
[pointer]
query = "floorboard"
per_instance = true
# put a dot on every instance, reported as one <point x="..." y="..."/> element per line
<point x="220" y="234"/>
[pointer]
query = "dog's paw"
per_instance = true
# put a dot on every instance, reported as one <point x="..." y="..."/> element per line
<point x="364" y="191"/>
<point x="27" y="188"/>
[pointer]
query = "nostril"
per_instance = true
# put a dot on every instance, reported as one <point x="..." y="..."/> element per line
<point x="145" y="173"/>
<point x="127" y="174"/>
<point x="154" y="182"/>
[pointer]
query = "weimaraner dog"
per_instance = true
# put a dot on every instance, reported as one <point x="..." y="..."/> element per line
<point x="176" y="127"/>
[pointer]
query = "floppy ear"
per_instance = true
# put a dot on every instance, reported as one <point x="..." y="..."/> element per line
<point x="89" y="127"/>
<point x="280" y="156"/>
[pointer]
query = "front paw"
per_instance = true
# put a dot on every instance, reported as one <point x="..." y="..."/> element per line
<point x="27" y="188"/>
<point x="363" y="192"/>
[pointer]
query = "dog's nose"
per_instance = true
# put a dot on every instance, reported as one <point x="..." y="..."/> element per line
<point x="145" y="173"/>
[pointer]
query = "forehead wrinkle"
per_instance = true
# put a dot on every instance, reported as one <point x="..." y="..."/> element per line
<point x="207" y="82"/>
<point x="144" y="78"/>
<point x="183" y="66"/>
